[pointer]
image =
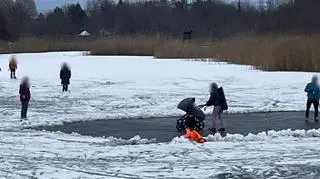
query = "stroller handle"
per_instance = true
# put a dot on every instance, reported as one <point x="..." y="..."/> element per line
<point x="200" y="106"/>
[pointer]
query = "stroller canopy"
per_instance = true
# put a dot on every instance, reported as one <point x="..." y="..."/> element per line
<point x="188" y="105"/>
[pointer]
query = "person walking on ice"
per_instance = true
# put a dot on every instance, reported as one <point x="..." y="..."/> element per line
<point x="65" y="75"/>
<point x="313" y="92"/>
<point x="218" y="100"/>
<point x="25" y="96"/>
<point x="13" y="65"/>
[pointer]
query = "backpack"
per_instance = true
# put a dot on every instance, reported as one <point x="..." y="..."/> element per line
<point x="222" y="99"/>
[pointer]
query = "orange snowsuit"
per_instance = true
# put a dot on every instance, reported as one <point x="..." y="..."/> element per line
<point x="194" y="135"/>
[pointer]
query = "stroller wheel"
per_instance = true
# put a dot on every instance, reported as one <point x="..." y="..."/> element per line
<point x="199" y="125"/>
<point x="181" y="124"/>
<point x="179" y="128"/>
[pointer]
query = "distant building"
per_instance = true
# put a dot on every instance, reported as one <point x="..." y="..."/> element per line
<point x="84" y="33"/>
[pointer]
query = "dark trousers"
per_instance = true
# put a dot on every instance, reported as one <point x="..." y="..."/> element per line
<point x="13" y="74"/>
<point x="315" y="105"/>
<point x="65" y="87"/>
<point x="24" y="109"/>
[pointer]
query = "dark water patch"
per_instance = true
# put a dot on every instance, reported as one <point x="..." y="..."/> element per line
<point x="163" y="129"/>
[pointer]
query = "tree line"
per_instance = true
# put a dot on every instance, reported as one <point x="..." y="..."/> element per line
<point x="210" y="19"/>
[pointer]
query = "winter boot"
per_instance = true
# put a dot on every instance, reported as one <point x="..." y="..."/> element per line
<point x="222" y="130"/>
<point x="212" y="130"/>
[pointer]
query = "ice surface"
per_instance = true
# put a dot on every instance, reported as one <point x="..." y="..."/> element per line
<point x="117" y="87"/>
<point x="124" y="87"/>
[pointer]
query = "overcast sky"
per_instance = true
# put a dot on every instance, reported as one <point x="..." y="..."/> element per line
<point x="44" y="5"/>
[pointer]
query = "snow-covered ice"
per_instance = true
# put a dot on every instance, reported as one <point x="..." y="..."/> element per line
<point x="284" y="154"/>
<point x="125" y="87"/>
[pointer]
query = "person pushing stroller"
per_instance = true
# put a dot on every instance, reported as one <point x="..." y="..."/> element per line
<point x="313" y="91"/>
<point x="218" y="100"/>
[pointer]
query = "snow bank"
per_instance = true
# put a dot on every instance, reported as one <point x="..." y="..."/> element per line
<point x="262" y="136"/>
<point x="34" y="154"/>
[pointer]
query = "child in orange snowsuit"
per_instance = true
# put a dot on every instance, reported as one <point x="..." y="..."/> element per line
<point x="194" y="136"/>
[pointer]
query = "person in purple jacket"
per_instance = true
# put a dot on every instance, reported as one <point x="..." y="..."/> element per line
<point x="25" y="96"/>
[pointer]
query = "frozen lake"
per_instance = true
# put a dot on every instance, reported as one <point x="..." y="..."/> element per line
<point x="127" y="87"/>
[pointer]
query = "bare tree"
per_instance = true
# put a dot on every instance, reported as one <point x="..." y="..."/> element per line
<point x="29" y="6"/>
<point x="4" y="31"/>
<point x="206" y="18"/>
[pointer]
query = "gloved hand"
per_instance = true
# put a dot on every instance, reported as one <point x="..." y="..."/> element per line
<point x="201" y="106"/>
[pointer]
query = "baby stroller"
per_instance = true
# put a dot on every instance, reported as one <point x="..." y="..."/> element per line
<point x="193" y="118"/>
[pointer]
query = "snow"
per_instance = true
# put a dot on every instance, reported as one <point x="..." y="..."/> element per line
<point x="282" y="154"/>
<point x="126" y="87"/>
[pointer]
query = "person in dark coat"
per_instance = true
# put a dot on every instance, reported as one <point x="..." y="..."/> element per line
<point x="65" y="75"/>
<point x="313" y="91"/>
<point x="25" y="96"/>
<point x="13" y="65"/>
<point x="217" y="100"/>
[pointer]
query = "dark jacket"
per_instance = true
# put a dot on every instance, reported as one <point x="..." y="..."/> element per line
<point x="24" y="92"/>
<point x="65" y="75"/>
<point x="217" y="98"/>
<point x="214" y="99"/>
<point x="313" y="91"/>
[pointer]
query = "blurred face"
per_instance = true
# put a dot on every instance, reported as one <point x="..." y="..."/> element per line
<point x="26" y="80"/>
<point x="315" y="79"/>
<point x="213" y="87"/>
<point x="64" y="65"/>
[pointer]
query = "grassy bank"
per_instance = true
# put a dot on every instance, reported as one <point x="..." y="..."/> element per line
<point x="267" y="52"/>
<point x="26" y="45"/>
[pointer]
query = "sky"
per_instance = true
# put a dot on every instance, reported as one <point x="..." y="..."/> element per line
<point x="45" y="5"/>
